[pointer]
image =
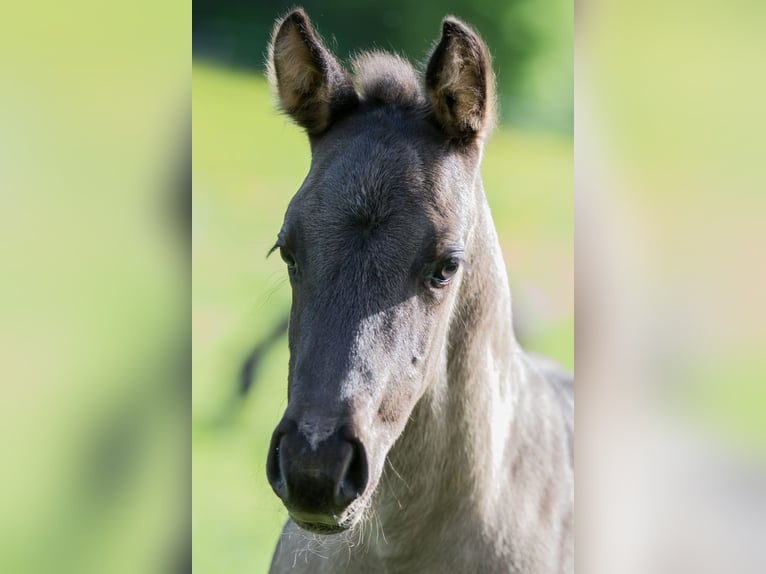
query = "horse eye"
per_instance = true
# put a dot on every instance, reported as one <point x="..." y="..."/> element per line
<point x="445" y="272"/>
<point x="287" y="258"/>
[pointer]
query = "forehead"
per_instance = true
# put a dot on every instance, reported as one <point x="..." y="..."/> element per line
<point x="374" y="153"/>
<point x="379" y="166"/>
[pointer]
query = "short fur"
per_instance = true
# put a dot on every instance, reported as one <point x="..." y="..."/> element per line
<point x="415" y="392"/>
<point x="387" y="79"/>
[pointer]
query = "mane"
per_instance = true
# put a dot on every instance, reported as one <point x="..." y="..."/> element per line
<point x="383" y="78"/>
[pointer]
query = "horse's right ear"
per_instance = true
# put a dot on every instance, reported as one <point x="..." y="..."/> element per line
<point x="312" y="86"/>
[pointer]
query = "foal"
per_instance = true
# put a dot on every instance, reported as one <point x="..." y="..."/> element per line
<point x="418" y="435"/>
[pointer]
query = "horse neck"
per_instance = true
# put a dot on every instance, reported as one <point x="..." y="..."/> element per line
<point x="447" y="456"/>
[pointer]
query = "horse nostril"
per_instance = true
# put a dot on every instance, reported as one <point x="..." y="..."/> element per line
<point x="353" y="481"/>
<point x="314" y="479"/>
<point x="274" y="467"/>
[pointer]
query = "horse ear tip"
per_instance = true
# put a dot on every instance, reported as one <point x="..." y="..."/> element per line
<point x="295" y="17"/>
<point x="451" y="24"/>
<point x="298" y="13"/>
<point x="448" y="24"/>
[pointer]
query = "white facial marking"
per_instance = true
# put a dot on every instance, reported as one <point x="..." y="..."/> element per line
<point x="316" y="432"/>
<point x="503" y="408"/>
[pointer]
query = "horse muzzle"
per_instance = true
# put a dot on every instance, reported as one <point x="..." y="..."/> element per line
<point x="317" y="477"/>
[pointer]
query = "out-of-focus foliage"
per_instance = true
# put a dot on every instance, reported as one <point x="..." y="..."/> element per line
<point x="94" y="384"/>
<point x="531" y="41"/>
<point x="671" y="276"/>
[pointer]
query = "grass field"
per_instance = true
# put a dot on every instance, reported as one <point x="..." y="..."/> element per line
<point x="248" y="161"/>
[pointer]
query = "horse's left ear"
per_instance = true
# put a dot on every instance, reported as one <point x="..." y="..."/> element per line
<point x="460" y="83"/>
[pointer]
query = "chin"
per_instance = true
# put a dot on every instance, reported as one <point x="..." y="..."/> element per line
<point x="320" y="524"/>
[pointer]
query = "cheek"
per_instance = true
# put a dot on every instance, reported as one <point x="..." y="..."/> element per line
<point x="391" y="410"/>
<point x="293" y="326"/>
<point x="404" y="385"/>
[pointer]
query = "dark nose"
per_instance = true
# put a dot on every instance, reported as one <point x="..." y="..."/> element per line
<point x="316" y="480"/>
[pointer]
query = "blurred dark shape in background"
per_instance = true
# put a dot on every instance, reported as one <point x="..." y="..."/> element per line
<point x="530" y="40"/>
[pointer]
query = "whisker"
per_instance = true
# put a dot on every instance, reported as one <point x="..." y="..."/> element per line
<point x="396" y="472"/>
<point x="382" y="530"/>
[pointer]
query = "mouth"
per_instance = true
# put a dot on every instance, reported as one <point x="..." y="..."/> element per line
<point x="320" y="527"/>
<point x="320" y="524"/>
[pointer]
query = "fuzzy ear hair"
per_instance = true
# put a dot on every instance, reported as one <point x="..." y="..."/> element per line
<point x="312" y="86"/>
<point x="460" y="84"/>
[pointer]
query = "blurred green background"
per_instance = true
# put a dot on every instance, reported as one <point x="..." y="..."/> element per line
<point x="249" y="160"/>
